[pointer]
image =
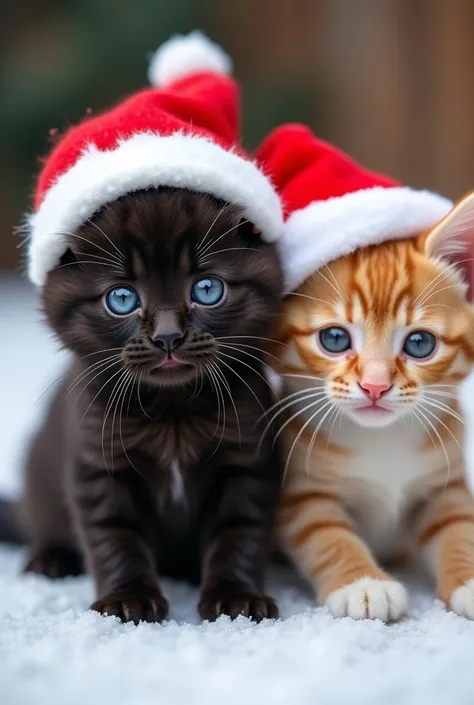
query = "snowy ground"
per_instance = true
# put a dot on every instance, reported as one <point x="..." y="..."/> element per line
<point x="54" y="652"/>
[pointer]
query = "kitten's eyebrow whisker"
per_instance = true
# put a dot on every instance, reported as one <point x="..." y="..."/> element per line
<point x="94" y="244"/>
<point x="121" y="255"/>
<point x="228" y="249"/>
<point x="340" y="296"/>
<point x="214" y="242"/>
<point x="199" y="247"/>
<point x="313" y="298"/>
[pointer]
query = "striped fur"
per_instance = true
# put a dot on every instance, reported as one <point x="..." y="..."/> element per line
<point x="363" y="486"/>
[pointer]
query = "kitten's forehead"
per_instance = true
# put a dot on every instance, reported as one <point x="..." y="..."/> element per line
<point x="388" y="285"/>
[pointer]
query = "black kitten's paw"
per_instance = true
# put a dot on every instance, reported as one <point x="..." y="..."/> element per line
<point x="216" y="602"/>
<point x="133" y="606"/>
<point x="55" y="562"/>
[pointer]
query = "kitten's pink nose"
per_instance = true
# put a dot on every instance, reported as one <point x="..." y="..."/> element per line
<point x="374" y="391"/>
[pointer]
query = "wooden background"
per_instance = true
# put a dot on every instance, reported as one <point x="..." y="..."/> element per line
<point x="390" y="81"/>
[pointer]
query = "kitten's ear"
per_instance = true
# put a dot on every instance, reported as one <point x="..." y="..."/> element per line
<point x="67" y="258"/>
<point x="249" y="232"/>
<point x="453" y="240"/>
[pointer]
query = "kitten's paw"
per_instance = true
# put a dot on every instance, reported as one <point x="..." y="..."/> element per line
<point x="462" y="600"/>
<point x="55" y="562"/>
<point x="257" y="607"/>
<point x="369" y="598"/>
<point x="133" y="606"/>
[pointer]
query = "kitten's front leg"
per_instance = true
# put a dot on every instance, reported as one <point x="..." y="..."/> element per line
<point x="445" y="528"/>
<point x="317" y="532"/>
<point x="237" y="546"/>
<point x="111" y="535"/>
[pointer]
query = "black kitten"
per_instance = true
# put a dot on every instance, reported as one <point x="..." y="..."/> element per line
<point x="149" y="460"/>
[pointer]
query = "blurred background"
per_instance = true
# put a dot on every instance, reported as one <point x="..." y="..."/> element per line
<point x="390" y="81"/>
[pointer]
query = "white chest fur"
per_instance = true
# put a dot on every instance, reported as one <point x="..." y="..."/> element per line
<point x="177" y="482"/>
<point x="384" y="473"/>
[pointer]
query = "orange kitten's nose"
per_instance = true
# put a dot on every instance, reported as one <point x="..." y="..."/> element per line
<point x="374" y="391"/>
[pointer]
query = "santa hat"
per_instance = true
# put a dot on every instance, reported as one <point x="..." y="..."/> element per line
<point x="180" y="133"/>
<point x="333" y="205"/>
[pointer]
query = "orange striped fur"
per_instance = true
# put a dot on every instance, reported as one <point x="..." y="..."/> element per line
<point x="362" y="485"/>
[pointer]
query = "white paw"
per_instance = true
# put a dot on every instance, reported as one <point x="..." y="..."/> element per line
<point x="462" y="600"/>
<point x="369" y="598"/>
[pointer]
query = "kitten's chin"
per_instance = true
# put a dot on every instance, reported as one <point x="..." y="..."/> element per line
<point x="372" y="417"/>
<point x="172" y="375"/>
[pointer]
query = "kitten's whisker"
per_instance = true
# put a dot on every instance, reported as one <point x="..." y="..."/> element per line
<point x="337" y="415"/>
<point x="222" y="362"/>
<point x="100" y="258"/>
<point x="236" y="359"/>
<point x="82" y="261"/>
<point x="98" y="364"/>
<point x="315" y="391"/>
<point x="216" y="391"/>
<point x="444" y="408"/>
<point x="105" y="369"/>
<point x="219" y="373"/>
<point x="94" y="244"/>
<point x="433" y="282"/>
<point x="312" y="298"/>
<point x="288" y="374"/>
<point x="440" y="393"/>
<point x="449" y="269"/>
<point x="250" y="347"/>
<point x="316" y="400"/>
<point x="109" y="379"/>
<point x="222" y="401"/>
<point x="430" y="423"/>
<point x="331" y="274"/>
<point x="107" y="409"/>
<point x="123" y="385"/>
<point x="200" y="246"/>
<point x="214" y="242"/>
<point x="204" y="258"/>
<point x="438" y="291"/>
<point x="339" y="296"/>
<point x="97" y="352"/>
<point x="120" y="254"/>
<point x="302" y="430"/>
<point x="138" y="396"/>
<point x="314" y="435"/>
<point x="251" y="337"/>
<point x="129" y="387"/>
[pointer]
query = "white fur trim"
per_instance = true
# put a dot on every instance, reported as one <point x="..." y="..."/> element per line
<point x="326" y="230"/>
<point x="143" y="161"/>
<point x="183" y="55"/>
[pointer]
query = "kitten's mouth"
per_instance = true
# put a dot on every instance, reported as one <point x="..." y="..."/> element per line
<point x="172" y="362"/>
<point x="373" y="409"/>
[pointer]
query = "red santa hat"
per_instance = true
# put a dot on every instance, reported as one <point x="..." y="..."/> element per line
<point x="182" y="132"/>
<point x="333" y="205"/>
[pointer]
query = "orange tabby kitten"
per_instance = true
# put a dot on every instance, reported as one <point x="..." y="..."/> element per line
<point x="372" y="350"/>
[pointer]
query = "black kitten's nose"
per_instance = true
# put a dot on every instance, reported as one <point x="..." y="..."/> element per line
<point x="168" y="341"/>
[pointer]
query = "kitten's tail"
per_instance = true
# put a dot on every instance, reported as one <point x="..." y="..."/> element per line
<point x="10" y="530"/>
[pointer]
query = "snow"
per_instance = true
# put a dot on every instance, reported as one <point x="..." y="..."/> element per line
<point x="54" y="652"/>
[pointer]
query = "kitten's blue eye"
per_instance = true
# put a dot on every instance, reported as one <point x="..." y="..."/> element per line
<point x="122" y="301"/>
<point x="335" y="339"/>
<point x="208" y="291"/>
<point x="419" y="344"/>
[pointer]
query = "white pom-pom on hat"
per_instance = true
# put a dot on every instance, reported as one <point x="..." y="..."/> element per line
<point x="183" y="55"/>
